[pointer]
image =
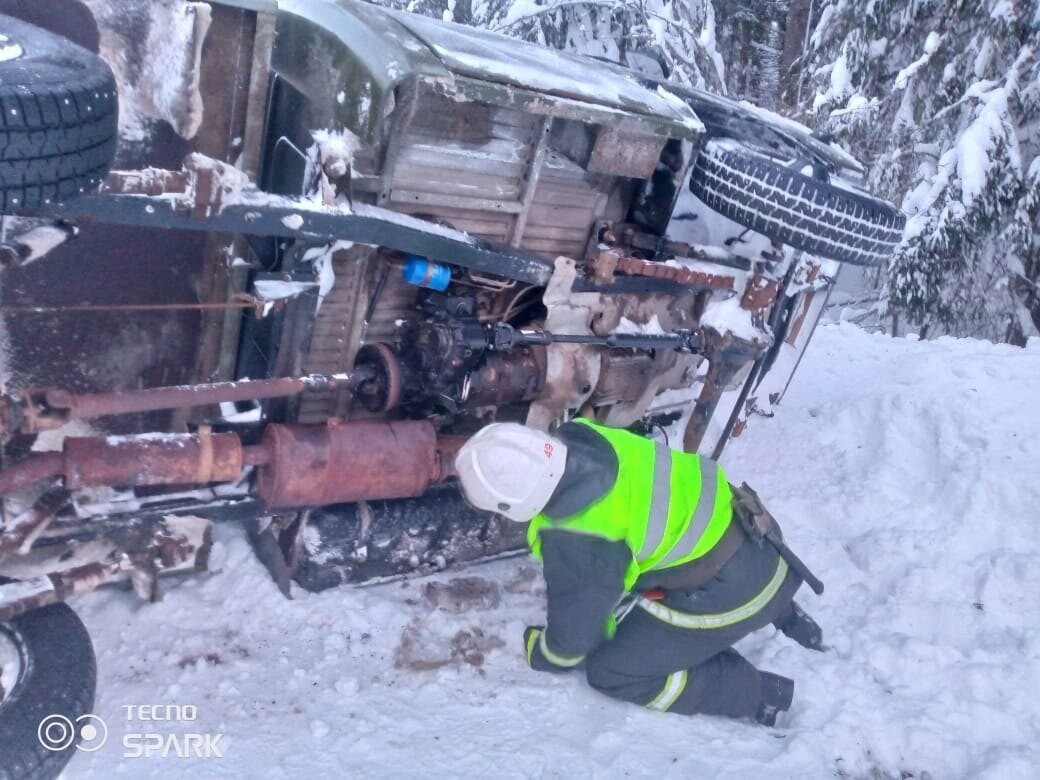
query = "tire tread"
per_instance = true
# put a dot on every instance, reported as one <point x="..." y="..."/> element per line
<point x="787" y="206"/>
<point x="62" y="680"/>
<point x="57" y="140"/>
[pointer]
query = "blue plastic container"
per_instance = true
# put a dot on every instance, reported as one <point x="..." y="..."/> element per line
<point x="420" y="271"/>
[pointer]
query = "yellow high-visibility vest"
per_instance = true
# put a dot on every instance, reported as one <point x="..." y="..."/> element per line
<point x="669" y="507"/>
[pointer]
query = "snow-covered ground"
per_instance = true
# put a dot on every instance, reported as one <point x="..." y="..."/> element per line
<point x="905" y="474"/>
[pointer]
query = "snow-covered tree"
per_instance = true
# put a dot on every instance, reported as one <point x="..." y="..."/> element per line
<point x="942" y="97"/>
<point x="683" y="31"/>
<point x="751" y="40"/>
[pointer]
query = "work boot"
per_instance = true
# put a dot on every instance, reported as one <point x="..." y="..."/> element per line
<point x="796" y="624"/>
<point x="776" y="693"/>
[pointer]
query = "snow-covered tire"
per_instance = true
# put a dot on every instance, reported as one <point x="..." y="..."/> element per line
<point x="55" y="681"/>
<point x="58" y="117"/>
<point x="785" y="205"/>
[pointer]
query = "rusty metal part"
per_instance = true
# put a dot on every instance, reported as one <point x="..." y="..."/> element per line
<point x="316" y="465"/>
<point x="381" y="392"/>
<point x="798" y="319"/>
<point x="623" y="376"/>
<point x="808" y="296"/>
<point x="152" y="460"/>
<point x="760" y="293"/>
<point x="605" y="263"/>
<point x="447" y="448"/>
<point x="147" y="459"/>
<point x="299" y="465"/>
<point x="150" y="181"/>
<point x="779" y="320"/>
<point x="278" y="541"/>
<point x="571" y="370"/>
<point x="715" y="382"/>
<point x="507" y="378"/>
<point x="255" y="455"/>
<point x="170" y="543"/>
<point x="238" y="303"/>
<point x="30" y="471"/>
<point x="51" y="408"/>
<point x="20" y="533"/>
<point x="19" y="597"/>
<point x="633" y="237"/>
<point x="685" y="276"/>
<point x="727" y="355"/>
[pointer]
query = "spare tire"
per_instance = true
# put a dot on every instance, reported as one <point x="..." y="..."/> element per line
<point x="795" y="209"/>
<point x="58" y="117"/>
<point x="45" y="710"/>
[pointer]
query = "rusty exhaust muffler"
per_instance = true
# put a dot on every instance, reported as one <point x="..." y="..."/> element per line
<point x="152" y="459"/>
<point x="297" y="465"/>
<point x="316" y="465"/>
<point x="128" y="461"/>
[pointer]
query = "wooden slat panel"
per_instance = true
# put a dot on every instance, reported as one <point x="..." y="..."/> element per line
<point x="426" y="156"/>
<point x="557" y="164"/>
<point x="328" y="343"/>
<point x="512" y="117"/>
<point x="568" y="183"/>
<point x="552" y="248"/>
<point x="569" y="233"/>
<point x="449" y="118"/>
<point x="412" y="197"/>
<point x="465" y="183"/>
<point x="366" y="161"/>
<point x="560" y="216"/>
<point x="549" y="195"/>
<point x="476" y="223"/>
<point x="493" y="132"/>
<point x="490" y="234"/>
<point x="492" y="149"/>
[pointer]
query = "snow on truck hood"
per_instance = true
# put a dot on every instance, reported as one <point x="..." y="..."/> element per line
<point x="487" y="55"/>
<point x="417" y="45"/>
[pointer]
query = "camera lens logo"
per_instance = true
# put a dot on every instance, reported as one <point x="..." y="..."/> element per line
<point x="57" y="733"/>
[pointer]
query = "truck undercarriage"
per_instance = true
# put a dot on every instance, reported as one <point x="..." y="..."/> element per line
<point x="335" y="242"/>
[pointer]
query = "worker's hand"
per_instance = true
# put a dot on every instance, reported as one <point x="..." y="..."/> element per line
<point x="540" y="656"/>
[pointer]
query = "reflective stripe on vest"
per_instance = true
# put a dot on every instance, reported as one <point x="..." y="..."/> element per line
<point x="699" y="521"/>
<point x="660" y="496"/>
<point x="686" y="620"/>
<point x="669" y="507"/>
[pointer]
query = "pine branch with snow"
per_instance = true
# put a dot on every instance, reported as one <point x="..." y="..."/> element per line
<point x="943" y="98"/>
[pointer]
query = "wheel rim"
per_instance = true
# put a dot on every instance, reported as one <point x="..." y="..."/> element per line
<point x="10" y="49"/>
<point x="12" y="662"/>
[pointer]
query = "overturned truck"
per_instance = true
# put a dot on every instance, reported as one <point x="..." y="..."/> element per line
<point x="275" y="262"/>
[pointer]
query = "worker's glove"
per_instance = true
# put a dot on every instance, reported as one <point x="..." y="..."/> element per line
<point x="540" y="656"/>
<point x="797" y="625"/>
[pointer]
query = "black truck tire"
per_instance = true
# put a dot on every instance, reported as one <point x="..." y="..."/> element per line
<point x="56" y="682"/>
<point x="58" y="117"/>
<point x="787" y="206"/>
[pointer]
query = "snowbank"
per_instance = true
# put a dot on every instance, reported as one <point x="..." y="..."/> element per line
<point x="904" y="474"/>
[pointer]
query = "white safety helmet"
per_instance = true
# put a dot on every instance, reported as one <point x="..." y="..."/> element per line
<point x="511" y="469"/>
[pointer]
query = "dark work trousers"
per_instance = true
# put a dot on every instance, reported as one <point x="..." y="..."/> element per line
<point x="694" y="670"/>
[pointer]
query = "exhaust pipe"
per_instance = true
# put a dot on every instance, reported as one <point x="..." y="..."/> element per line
<point x="297" y="465"/>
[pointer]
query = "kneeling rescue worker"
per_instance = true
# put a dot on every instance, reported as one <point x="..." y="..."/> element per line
<point x="653" y="570"/>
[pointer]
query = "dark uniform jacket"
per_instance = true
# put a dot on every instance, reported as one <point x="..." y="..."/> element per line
<point x="585" y="574"/>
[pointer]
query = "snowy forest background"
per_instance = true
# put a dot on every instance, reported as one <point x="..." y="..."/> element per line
<point x="940" y="99"/>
